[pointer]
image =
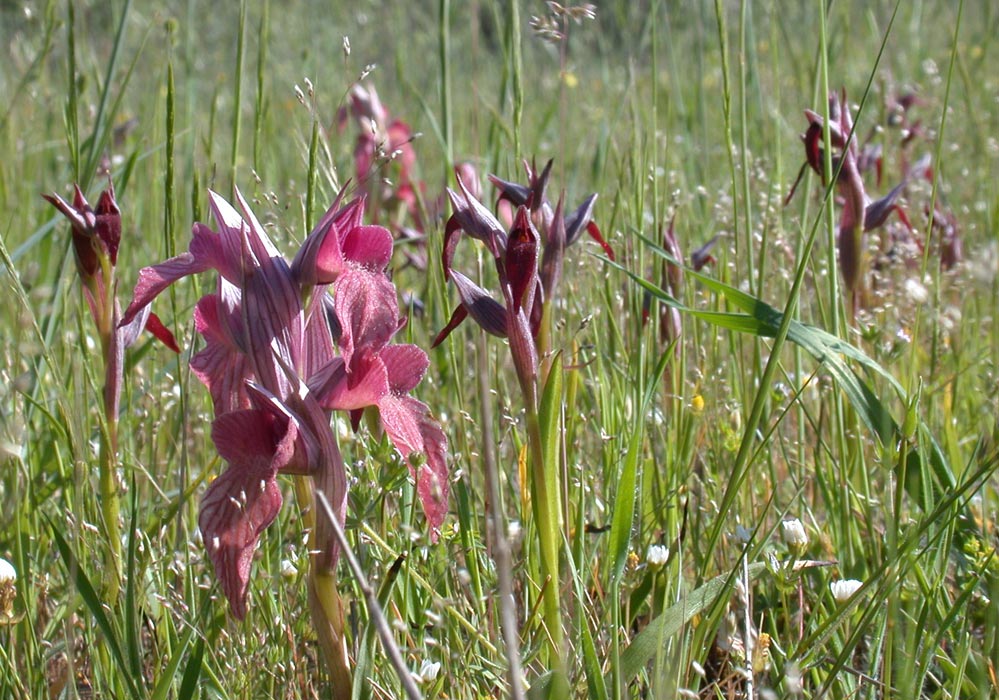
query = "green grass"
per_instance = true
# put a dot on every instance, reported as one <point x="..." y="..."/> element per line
<point x="878" y="432"/>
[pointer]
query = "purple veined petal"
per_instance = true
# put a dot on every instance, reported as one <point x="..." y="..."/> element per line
<point x="319" y="337"/>
<point x="234" y="256"/>
<point x="405" y="366"/>
<point x="260" y="242"/>
<point x="305" y="447"/>
<point x="484" y="310"/>
<point x="836" y="135"/>
<point x="702" y="256"/>
<point x="370" y="246"/>
<point x="512" y="192"/>
<point x="82" y="223"/>
<point x="538" y="184"/>
<point x="521" y="263"/>
<point x="241" y="233"/>
<point x="321" y="259"/>
<point x="412" y="431"/>
<point x="221" y="365"/>
<point x="108" y="223"/>
<point x="337" y="390"/>
<point x="877" y="211"/>
<point x="452" y="236"/>
<point x="275" y="326"/>
<point x="367" y="310"/>
<point x="204" y="254"/>
<point x="129" y="332"/>
<point x="245" y="499"/>
<point x="576" y="222"/>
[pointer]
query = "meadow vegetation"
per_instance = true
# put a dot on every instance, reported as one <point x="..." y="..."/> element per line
<point x="730" y="442"/>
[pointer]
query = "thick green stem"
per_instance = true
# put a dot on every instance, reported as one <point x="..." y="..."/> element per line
<point x="324" y="599"/>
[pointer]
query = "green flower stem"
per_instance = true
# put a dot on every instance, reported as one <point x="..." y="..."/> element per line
<point x="108" y="460"/>
<point x="324" y="599"/>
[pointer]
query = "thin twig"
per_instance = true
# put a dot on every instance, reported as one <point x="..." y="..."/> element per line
<point x="377" y="616"/>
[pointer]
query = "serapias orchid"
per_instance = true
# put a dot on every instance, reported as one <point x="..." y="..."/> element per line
<point x="272" y="332"/>
<point x="381" y="138"/>
<point x="96" y="238"/>
<point x="860" y="213"/>
<point x="528" y="258"/>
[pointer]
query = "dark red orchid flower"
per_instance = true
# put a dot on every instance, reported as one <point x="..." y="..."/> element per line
<point x="860" y="213"/>
<point x="96" y="238"/>
<point x="534" y="198"/>
<point x="528" y="257"/>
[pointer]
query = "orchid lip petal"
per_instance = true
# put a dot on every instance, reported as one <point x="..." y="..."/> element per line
<point x="408" y="425"/>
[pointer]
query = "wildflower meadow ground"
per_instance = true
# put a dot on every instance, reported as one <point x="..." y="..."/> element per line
<point x="499" y="349"/>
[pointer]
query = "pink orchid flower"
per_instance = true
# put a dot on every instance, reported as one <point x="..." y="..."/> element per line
<point x="271" y="363"/>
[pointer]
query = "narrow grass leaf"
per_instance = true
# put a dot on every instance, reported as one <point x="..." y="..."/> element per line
<point x="624" y="500"/>
<point x="192" y="670"/>
<point x="96" y="607"/>
<point x="364" y="665"/>
<point x="649" y="641"/>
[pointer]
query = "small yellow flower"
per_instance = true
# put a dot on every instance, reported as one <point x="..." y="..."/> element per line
<point x="697" y="403"/>
<point x="633" y="561"/>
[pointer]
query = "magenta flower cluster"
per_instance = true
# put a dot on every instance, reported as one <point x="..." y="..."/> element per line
<point x="285" y="345"/>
